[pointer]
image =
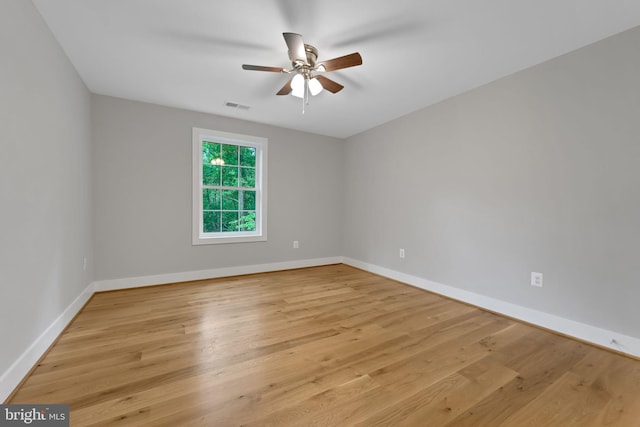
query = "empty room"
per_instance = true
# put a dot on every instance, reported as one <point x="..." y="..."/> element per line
<point x="305" y="213"/>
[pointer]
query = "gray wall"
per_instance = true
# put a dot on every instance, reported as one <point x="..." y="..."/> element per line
<point x="142" y="192"/>
<point x="45" y="175"/>
<point x="539" y="171"/>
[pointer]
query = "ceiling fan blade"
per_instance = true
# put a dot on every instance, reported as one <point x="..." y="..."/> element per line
<point x="286" y="89"/>
<point x="262" y="68"/>
<point x="346" y="61"/>
<point x="329" y="84"/>
<point x="296" y="47"/>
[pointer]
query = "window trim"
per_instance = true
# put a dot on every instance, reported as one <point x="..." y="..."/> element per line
<point x="198" y="236"/>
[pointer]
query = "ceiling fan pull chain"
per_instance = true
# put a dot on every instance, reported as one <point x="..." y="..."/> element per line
<point x="306" y="91"/>
<point x="305" y="95"/>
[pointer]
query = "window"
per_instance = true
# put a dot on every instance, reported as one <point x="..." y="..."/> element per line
<point x="229" y="187"/>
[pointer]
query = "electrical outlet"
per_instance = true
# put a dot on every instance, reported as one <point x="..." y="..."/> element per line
<point x="401" y="253"/>
<point x="296" y="244"/>
<point x="536" y="279"/>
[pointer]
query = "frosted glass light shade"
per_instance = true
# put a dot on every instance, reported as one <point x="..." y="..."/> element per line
<point x="297" y="86"/>
<point x="315" y="87"/>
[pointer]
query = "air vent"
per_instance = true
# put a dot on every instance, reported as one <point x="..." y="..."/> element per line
<point x="236" y="105"/>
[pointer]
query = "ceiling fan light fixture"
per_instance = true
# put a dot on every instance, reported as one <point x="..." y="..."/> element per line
<point x="297" y="86"/>
<point x="306" y="71"/>
<point x="315" y="87"/>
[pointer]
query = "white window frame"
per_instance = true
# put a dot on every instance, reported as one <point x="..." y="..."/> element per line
<point x="199" y="237"/>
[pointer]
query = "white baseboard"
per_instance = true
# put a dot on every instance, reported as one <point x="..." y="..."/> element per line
<point x="187" y="276"/>
<point x="601" y="337"/>
<point x="12" y="377"/>
<point x="21" y="367"/>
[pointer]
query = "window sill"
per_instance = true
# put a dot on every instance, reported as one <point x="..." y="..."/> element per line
<point x="219" y="240"/>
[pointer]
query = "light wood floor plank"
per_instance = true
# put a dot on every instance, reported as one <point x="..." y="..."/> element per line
<point x="325" y="346"/>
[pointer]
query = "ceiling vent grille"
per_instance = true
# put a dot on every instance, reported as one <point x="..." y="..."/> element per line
<point x="236" y="105"/>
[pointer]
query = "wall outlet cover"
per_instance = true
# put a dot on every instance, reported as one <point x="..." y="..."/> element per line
<point x="536" y="279"/>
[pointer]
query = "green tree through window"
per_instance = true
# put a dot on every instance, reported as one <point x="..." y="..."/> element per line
<point x="229" y="187"/>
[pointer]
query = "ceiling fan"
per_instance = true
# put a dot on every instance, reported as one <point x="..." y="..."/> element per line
<point x="305" y="68"/>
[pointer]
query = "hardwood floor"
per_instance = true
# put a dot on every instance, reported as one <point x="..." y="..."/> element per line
<point x="325" y="346"/>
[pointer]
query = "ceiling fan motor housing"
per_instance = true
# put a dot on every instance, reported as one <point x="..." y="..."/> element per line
<point x="312" y="57"/>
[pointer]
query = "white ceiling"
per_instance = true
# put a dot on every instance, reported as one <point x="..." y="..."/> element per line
<point x="188" y="53"/>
